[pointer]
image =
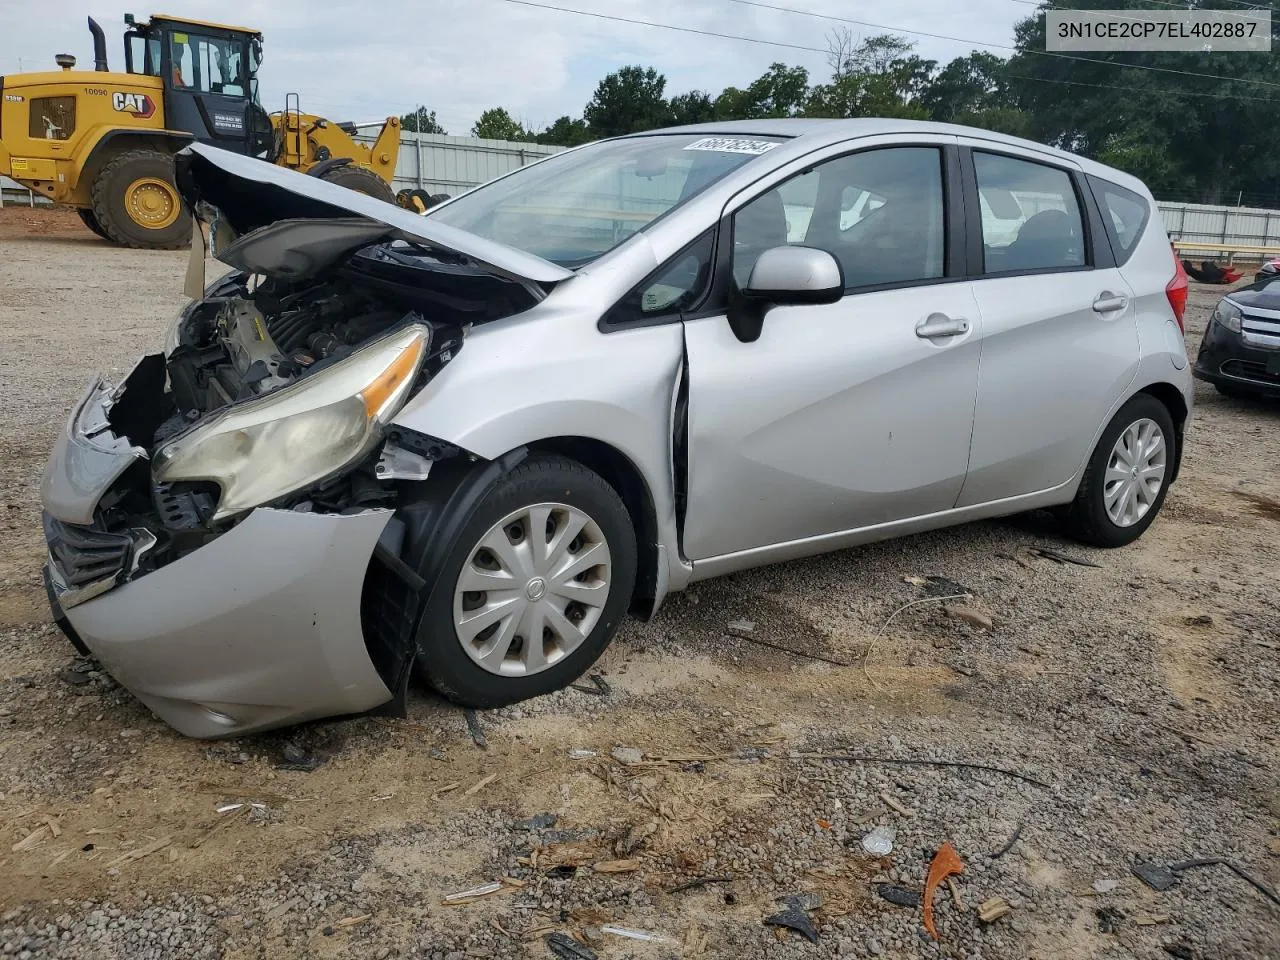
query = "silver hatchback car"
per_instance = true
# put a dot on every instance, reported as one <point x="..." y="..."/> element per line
<point x="470" y="442"/>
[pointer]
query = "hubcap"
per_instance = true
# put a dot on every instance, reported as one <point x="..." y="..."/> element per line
<point x="1135" y="472"/>
<point x="151" y="203"/>
<point x="532" y="589"/>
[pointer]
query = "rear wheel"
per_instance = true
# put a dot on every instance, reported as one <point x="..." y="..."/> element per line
<point x="1127" y="478"/>
<point x="136" y="203"/>
<point x="90" y="221"/>
<point x="360" y="180"/>
<point x="533" y="588"/>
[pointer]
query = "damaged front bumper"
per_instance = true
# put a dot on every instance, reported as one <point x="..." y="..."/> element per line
<point x="258" y="627"/>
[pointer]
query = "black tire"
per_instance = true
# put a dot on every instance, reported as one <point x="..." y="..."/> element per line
<point x="360" y="180"/>
<point x="90" y="221"/>
<point x="437" y="198"/>
<point x="441" y="657"/>
<point x="1086" y="519"/>
<point x="110" y="203"/>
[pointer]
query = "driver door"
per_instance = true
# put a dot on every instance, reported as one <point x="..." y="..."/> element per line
<point x="846" y="415"/>
<point x="207" y="88"/>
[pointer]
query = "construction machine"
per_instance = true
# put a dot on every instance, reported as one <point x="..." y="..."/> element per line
<point x="103" y="141"/>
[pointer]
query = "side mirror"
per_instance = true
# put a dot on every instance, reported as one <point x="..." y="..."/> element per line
<point x="785" y="276"/>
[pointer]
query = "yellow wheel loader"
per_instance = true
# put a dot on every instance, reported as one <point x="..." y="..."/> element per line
<point x="103" y="141"/>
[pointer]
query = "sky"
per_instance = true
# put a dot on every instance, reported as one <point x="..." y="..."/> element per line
<point x="365" y="60"/>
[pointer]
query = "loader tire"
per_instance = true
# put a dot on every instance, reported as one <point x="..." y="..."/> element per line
<point x="90" y="221"/>
<point x="137" y="204"/>
<point x="360" y="180"/>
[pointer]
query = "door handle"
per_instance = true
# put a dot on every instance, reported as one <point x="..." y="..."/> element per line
<point x="940" y="325"/>
<point x="1108" y="301"/>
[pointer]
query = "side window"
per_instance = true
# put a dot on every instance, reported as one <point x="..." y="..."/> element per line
<point x="879" y="212"/>
<point x="673" y="288"/>
<point x="1124" y="216"/>
<point x="1030" y="215"/>
<point x="182" y="65"/>
<point x="52" y="118"/>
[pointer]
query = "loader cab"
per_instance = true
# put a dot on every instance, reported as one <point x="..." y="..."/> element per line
<point x="210" y="79"/>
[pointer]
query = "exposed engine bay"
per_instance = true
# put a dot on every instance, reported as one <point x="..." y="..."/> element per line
<point x="251" y="336"/>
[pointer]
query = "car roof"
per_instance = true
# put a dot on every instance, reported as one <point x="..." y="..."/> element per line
<point x="820" y="131"/>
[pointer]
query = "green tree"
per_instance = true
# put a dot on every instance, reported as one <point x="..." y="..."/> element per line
<point x="627" y="101"/>
<point x="878" y="77"/>
<point x="421" y="120"/>
<point x="496" y="124"/>
<point x="565" y="132"/>
<point x="692" y="107"/>
<point x="1204" y="136"/>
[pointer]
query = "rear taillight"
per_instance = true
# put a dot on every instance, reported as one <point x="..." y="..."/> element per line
<point x="1176" y="291"/>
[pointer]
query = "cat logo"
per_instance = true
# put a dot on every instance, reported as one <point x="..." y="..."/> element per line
<point x="136" y="104"/>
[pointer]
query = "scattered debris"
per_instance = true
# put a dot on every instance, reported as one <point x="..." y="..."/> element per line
<point x="1105" y="885"/>
<point x="636" y="837"/>
<point x="635" y="934"/>
<point x="567" y="948"/>
<point x="1108" y="919"/>
<point x="598" y="688"/>
<point x="280" y="909"/>
<point x="955" y="894"/>
<point x="479" y="785"/>
<point x="294" y="757"/>
<point x="801" y="654"/>
<point x="627" y="756"/>
<point x="616" y="866"/>
<point x="860" y="758"/>
<point x="1198" y="620"/>
<point x="866" y="656"/>
<point x="879" y="842"/>
<point x="473" y="727"/>
<point x="945" y="863"/>
<point x="894" y="805"/>
<point x="1179" y="950"/>
<point x="992" y="910"/>
<point x="1008" y="844"/>
<point x="969" y="615"/>
<point x="699" y="882"/>
<point x="582" y="754"/>
<point x="899" y="896"/>
<point x="741" y="628"/>
<point x="138" y="854"/>
<point x="794" y="918"/>
<point x="352" y="921"/>
<point x="538" y="822"/>
<point x="915" y="581"/>
<point x="1056" y="556"/>
<point x="234" y="809"/>
<point x="1238" y="871"/>
<point x="1155" y="875"/>
<point x="78" y="674"/>
<point x="484" y="890"/>
<point x="32" y="839"/>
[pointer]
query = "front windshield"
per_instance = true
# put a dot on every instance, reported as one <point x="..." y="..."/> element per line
<point x="572" y="208"/>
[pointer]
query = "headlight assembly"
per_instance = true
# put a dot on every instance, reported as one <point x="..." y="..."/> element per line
<point x="263" y="449"/>
<point x="1228" y="314"/>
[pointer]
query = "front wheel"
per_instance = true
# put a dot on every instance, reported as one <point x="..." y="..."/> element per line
<point x="360" y="180"/>
<point x="533" y="588"/>
<point x="1127" y="478"/>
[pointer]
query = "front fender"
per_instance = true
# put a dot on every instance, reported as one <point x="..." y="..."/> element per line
<point x="550" y="373"/>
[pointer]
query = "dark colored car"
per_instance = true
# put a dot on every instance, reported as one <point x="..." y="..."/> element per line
<point x="1240" y="352"/>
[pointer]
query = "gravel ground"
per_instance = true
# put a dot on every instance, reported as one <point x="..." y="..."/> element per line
<point x="1130" y="710"/>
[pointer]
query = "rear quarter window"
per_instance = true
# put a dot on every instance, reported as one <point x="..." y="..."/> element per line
<point x="1125" y="216"/>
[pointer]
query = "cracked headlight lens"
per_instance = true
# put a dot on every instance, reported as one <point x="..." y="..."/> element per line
<point x="263" y="449"/>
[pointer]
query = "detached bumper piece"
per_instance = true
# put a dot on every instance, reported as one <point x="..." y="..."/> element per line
<point x="84" y="562"/>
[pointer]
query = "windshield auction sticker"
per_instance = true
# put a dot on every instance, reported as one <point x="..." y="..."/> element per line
<point x="1201" y="31"/>
<point x="732" y="145"/>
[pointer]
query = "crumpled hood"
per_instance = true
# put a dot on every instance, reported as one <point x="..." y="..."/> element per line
<point x="251" y="194"/>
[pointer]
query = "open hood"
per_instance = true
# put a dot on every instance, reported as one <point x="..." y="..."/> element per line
<point x="250" y="194"/>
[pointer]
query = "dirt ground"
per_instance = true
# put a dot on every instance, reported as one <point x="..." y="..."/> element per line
<point x="1136" y="701"/>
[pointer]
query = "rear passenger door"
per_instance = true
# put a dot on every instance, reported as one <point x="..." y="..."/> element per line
<point x="1059" y="335"/>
